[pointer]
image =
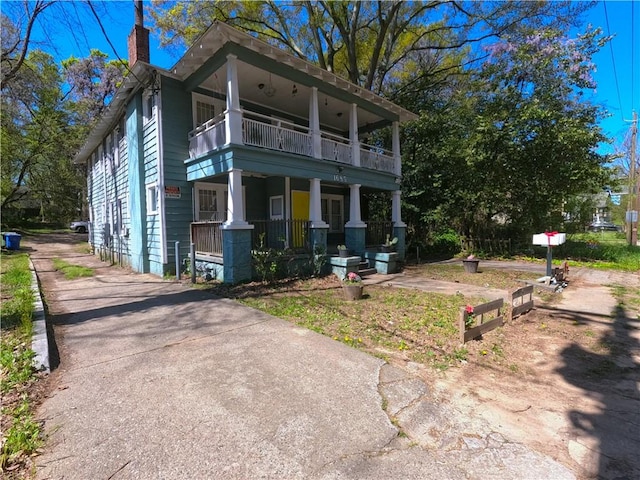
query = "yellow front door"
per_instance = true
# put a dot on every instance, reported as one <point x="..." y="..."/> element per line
<point x="299" y="211"/>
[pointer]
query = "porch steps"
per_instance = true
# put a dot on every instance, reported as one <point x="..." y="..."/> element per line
<point x="364" y="270"/>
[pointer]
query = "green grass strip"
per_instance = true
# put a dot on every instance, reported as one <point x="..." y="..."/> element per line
<point x="71" y="271"/>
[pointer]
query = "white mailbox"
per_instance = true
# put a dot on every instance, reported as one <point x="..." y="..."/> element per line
<point x="549" y="239"/>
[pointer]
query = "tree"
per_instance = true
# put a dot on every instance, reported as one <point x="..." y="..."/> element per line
<point x="16" y="38"/>
<point x="37" y="140"/>
<point x="509" y="144"/>
<point x="47" y="111"/>
<point x="369" y="42"/>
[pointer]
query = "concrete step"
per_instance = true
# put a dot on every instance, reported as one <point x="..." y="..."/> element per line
<point x="363" y="272"/>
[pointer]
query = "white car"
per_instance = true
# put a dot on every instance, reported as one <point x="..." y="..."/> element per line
<point x="79" y="226"/>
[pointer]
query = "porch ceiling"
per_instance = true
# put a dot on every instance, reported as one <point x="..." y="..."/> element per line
<point x="334" y="111"/>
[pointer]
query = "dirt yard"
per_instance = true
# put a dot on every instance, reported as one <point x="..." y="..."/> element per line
<point x="563" y="379"/>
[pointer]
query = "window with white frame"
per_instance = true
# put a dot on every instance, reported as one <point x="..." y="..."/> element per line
<point x="211" y="202"/>
<point x="276" y="207"/>
<point x="101" y="161"/>
<point x="152" y="199"/>
<point x="148" y="106"/>
<point x="333" y="212"/>
<point x="204" y="108"/>
<point x="109" y="153"/>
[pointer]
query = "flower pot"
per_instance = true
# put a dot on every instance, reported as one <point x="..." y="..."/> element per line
<point x="385" y="248"/>
<point x="353" y="291"/>
<point x="343" y="253"/>
<point x="470" y="266"/>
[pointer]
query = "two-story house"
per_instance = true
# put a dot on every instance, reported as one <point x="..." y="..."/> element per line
<point x="238" y="143"/>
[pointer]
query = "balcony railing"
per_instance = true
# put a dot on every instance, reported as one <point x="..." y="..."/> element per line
<point x="376" y="158"/>
<point x="266" y="132"/>
<point x="273" y="134"/>
<point x="208" y="136"/>
<point x="335" y="148"/>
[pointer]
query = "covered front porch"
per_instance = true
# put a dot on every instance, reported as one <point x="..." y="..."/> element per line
<point x="288" y="217"/>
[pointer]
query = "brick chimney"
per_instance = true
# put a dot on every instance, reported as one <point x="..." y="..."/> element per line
<point x="138" y="41"/>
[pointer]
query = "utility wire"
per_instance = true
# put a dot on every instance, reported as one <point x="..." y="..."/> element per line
<point x="633" y="43"/>
<point x="126" y="64"/>
<point x="613" y="59"/>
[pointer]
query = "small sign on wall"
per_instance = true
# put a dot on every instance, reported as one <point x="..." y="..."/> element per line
<point x="171" y="191"/>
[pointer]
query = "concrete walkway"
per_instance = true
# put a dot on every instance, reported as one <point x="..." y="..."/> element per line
<point x="160" y="381"/>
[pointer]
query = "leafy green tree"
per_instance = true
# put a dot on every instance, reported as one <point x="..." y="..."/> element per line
<point x="37" y="142"/>
<point x="369" y="42"/>
<point x="503" y="148"/>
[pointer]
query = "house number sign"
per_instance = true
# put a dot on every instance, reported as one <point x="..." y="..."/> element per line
<point x="340" y="178"/>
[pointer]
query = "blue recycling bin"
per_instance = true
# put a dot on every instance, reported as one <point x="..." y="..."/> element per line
<point x="12" y="240"/>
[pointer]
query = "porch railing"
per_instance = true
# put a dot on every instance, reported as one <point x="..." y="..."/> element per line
<point x="280" y="234"/>
<point x="207" y="237"/>
<point x="208" y="136"/>
<point x="277" y="234"/>
<point x="377" y="231"/>
<point x="274" y="134"/>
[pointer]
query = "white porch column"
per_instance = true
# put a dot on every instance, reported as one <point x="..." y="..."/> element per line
<point x="233" y="114"/>
<point x="235" y="201"/>
<point x="353" y="135"/>
<point x="355" y="216"/>
<point x="395" y="210"/>
<point x="314" y="124"/>
<point x="315" y="207"/>
<point x="395" y="141"/>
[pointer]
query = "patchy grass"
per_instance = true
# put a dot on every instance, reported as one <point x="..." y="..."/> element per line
<point x="71" y="271"/>
<point x="21" y="434"/>
<point x="387" y="322"/>
<point x="628" y="300"/>
<point x="490" y="278"/>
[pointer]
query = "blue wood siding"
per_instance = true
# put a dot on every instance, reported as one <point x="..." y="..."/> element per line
<point x="176" y="124"/>
<point x="153" y="242"/>
<point x="136" y="177"/>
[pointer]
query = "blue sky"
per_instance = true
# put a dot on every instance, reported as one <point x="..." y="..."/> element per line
<point x="73" y="29"/>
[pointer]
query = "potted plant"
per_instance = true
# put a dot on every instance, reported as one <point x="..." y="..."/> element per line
<point x="389" y="244"/>
<point x="343" y="251"/>
<point x="352" y="286"/>
<point x="470" y="264"/>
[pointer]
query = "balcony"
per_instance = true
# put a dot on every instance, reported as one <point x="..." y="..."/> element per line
<point x="266" y="132"/>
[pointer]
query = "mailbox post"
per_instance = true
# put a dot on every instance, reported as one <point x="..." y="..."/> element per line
<point x="550" y="240"/>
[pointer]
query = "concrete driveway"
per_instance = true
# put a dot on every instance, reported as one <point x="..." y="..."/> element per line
<point x="160" y="381"/>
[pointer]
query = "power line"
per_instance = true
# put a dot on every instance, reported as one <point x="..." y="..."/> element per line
<point x="613" y="59"/>
<point x="633" y="103"/>
<point x="104" y="32"/>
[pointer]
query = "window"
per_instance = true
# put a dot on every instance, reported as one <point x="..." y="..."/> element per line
<point x="152" y="199"/>
<point x="211" y="202"/>
<point x="204" y="109"/>
<point x="116" y="217"/>
<point x="148" y="106"/>
<point x="118" y="136"/>
<point x="276" y="207"/>
<point x="333" y="212"/>
<point x="109" y="153"/>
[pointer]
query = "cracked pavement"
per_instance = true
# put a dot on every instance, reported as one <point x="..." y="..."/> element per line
<point x="161" y="381"/>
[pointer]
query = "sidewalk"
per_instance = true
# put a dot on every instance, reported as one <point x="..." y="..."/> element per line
<point x="161" y="381"/>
